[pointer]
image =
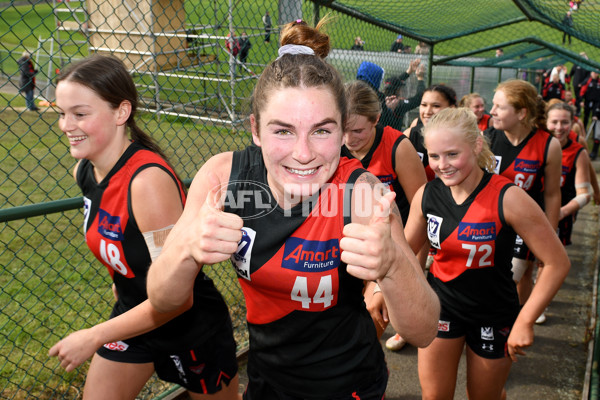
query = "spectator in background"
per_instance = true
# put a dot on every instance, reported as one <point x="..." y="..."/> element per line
<point x="579" y="76"/>
<point x="590" y="93"/>
<point x="499" y="52"/>
<point x="476" y="103"/>
<point x="232" y="44"/>
<point x="554" y="88"/>
<point x="407" y="50"/>
<point x="266" y="19"/>
<point x="396" y="99"/>
<point x="568" y="22"/>
<point x="397" y="46"/>
<point x="422" y="48"/>
<point x="27" y="80"/>
<point x="245" y="45"/>
<point x="358" y="44"/>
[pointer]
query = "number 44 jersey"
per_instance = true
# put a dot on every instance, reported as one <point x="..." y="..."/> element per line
<point x="306" y="315"/>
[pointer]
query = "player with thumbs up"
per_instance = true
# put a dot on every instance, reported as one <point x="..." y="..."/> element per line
<point x="305" y="228"/>
<point x="470" y="216"/>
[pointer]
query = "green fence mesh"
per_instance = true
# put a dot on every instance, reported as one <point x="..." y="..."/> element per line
<point x="195" y="102"/>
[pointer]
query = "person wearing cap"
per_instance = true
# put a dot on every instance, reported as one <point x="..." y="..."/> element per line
<point x="397" y="46"/>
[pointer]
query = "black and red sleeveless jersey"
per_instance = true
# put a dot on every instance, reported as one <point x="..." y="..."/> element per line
<point x="523" y="164"/>
<point x="484" y="122"/>
<point x="417" y="140"/>
<point x="306" y="315"/>
<point x="381" y="162"/>
<point x="471" y="270"/>
<point x="570" y="154"/>
<point x="112" y="234"/>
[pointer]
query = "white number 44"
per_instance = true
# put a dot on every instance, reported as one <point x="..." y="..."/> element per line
<point x="323" y="295"/>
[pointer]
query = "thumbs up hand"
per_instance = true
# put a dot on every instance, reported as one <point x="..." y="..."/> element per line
<point x="369" y="250"/>
<point x="215" y="233"/>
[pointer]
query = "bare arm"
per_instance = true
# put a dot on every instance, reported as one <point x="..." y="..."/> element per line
<point x="416" y="226"/>
<point x="203" y="235"/>
<point x="156" y="204"/>
<point x="529" y="221"/>
<point x="374" y="248"/>
<point x="552" y="174"/>
<point x="409" y="169"/>
<point x="582" y="181"/>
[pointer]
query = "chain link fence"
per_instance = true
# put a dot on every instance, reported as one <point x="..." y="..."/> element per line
<point x="195" y="64"/>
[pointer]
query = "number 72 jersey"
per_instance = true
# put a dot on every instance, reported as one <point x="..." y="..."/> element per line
<point x="471" y="271"/>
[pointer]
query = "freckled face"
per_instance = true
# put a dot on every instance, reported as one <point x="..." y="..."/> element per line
<point x="431" y="104"/>
<point x="450" y="156"/>
<point x="559" y="124"/>
<point x="89" y="123"/>
<point x="300" y="135"/>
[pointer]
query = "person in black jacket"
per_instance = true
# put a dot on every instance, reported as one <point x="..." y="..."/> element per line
<point x="27" y="80"/>
<point x="579" y="76"/>
<point x="245" y="45"/>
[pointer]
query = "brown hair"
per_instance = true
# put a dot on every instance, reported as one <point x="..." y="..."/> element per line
<point x="301" y="70"/>
<point x="109" y="79"/>
<point x="464" y="121"/>
<point x="362" y="100"/>
<point x="523" y="95"/>
<point x="560" y="105"/>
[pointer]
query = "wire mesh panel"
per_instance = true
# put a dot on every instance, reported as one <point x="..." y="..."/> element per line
<point x="195" y="63"/>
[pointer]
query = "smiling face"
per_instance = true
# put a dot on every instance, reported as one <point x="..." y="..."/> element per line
<point x="478" y="107"/>
<point x="300" y="135"/>
<point x="431" y="103"/>
<point x="359" y="135"/>
<point x="559" y="124"/>
<point x="451" y="157"/>
<point x="505" y="116"/>
<point x="94" y="129"/>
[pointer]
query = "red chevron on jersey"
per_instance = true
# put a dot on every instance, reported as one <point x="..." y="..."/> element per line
<point x="472" y="244"/>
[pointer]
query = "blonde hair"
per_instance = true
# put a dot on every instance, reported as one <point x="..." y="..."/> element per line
<point x="467" y="99"/>
<point x="464" y="121"/>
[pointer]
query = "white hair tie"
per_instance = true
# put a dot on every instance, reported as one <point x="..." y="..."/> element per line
<point x="294" y="49"/>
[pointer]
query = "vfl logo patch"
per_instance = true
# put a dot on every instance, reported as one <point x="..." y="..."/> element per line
<point x="487" y="333"/>
<point x="498" y="163"/>
<point x="443" y="326"/>
<point x="434" y="225"/>
<point x="117" y="346"/>
<point x="310" y="255"/>
<point x="476" y="231"/>
<point x="109" y="226"/>
<point x="241" y="258"/>
<point x="87" y="205"/>
<point x="529" y="166"/>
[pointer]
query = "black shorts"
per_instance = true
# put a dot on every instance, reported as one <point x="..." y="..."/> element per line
<point x="521" y="251"/>
<point x="201" y="369"/>
<point x="485" y="340"/>
<point x="259" y="389"/>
